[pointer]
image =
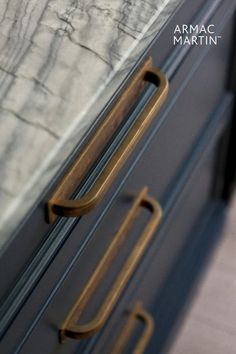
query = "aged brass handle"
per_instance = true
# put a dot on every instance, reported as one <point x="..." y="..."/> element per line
<point x="59" y="204"/>
<point x="137" y="313"/>
<point x="70" y="328"/>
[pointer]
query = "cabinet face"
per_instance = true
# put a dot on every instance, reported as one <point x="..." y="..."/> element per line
<point x="191" y="195"/>
<point x="47" y="258"/>
<point x="35" y="230"/>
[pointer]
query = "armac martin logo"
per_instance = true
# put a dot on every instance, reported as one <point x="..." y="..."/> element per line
<point x="195" y="35"/>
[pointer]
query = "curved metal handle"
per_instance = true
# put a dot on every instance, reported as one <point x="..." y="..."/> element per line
<point x="69" y="327"/>
<point x="58" y="204"/>
<point x="137" y="313"/>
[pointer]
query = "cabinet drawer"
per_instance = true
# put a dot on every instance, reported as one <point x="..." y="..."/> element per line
<point x="193" y="97"/>
<point x="169" y="266"/>
<point x="165" y="247"/>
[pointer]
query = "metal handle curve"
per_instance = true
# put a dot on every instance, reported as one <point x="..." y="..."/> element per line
<point x="59" y="204"/>
<point x="69" y="327"/>
<point x="137" y="313"/>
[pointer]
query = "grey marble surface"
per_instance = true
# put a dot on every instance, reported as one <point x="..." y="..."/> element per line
<point x="60" y="62"/>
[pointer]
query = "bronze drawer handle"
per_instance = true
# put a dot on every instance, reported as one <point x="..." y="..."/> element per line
<point x="137" y="313"/>
<point x="59" y="204"/>
<point x="70" y="328"/>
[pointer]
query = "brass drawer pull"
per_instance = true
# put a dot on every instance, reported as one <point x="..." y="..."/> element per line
<point x="59" y="204"/>
<point x="70" y="328"/>
<point x="137" y="313"/>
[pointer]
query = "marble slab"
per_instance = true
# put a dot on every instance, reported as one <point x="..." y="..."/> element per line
<point x="60" y="62"/>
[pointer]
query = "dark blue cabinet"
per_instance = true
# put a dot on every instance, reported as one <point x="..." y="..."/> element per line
<point x="186" y="162"/>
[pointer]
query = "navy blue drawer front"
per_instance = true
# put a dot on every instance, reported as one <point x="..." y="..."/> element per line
<point x="162" y="274"/>
<point x="193" y="97"/>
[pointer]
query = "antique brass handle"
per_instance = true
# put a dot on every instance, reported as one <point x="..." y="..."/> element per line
<point x="137" y="313"/>
<point x="59" y="204"/>
<point x="70" y="328"/>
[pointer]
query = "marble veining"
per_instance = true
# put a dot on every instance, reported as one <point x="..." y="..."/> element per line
<point x="60" y="62"/>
